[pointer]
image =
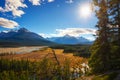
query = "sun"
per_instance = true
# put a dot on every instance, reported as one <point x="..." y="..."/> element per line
<point x="85" y="10"/>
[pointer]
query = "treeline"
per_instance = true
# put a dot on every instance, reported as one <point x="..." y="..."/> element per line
<point x="77" y="50"/>
<point x="106" y="49"/>
<point x="33" y="70"/>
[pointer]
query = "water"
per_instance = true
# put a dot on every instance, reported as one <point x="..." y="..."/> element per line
<point x="20" y="50"/>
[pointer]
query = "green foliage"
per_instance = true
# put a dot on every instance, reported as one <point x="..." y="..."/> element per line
<point x="77" y="50"/>
<point x="110" y="76"/>
<point x="45" y="69"/>
<point x="105" y="55"/>
<point x="115" y="57"/>
<point x="99" y="61"/>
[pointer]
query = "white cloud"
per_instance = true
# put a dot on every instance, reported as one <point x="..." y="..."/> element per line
<point x="76" y="32"/>
<point x="69" y="1"/>
<point x="35" y="2"/>
<point x="50" y="0"/>
<point x="14" y="6"/>
<point x="5" y="31"/>
<point x="44" y="35"/>
<point x="1" y="9"/>
<point x="8" y="23"/>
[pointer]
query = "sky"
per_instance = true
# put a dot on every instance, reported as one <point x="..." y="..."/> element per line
<point x="49" y="18"/>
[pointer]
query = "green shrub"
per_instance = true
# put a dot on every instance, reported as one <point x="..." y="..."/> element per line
<point x="110" y="76"/>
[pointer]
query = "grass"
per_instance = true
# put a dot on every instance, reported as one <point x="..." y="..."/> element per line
<point x="46" y="52"/>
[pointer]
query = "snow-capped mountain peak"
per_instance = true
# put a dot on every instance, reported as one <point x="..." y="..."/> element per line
<point x="67" y="39"/>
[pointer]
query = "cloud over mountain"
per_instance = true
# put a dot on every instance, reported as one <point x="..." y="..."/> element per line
<point x="76" y="32"/>
<point x="8" y="23"/>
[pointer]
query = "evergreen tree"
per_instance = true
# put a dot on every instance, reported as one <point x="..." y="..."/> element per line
<point x="99" y="61"/>
<point x="105" y="50"/>
<point x="114" y="18"/>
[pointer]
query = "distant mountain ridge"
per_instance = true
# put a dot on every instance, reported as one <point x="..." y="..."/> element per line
<point x="21" y="33"/>
<point x="22" y="37"/>
<point x="67" y="39"/>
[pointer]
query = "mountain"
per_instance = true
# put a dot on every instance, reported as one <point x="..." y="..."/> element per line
<point x="22" y="37"/>
<point x="67" y="39"/>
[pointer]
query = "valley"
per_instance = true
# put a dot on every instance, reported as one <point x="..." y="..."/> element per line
<point x="76" y="65"/>
<point x="59" y="39"/>
<point x="39" y="53"/>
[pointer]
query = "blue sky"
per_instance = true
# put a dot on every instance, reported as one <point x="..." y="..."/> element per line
<point x="49" y="18"/>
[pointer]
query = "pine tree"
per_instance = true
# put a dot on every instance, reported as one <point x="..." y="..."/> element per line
<point x="105" y="50"/>
<point x="99" y="61"/>
<point x="114" y="15"/>
<point x="114" y="18"/>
